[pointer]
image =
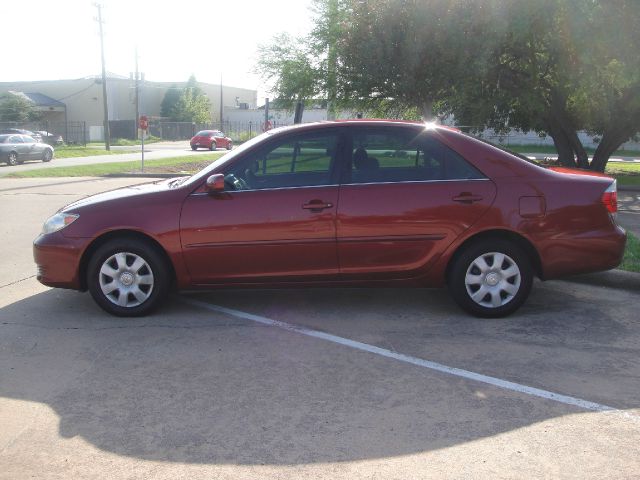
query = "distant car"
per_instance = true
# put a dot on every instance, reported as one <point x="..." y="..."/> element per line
<point x="20" y="131"/>
<point x="50" y="138"/>
<point x="362" y="202"/>
<point x="15" y="149"/>
<point x="211" y="139"/>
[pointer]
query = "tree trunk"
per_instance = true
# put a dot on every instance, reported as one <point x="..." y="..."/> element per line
<point x="562" y="143"/>
<point x="611" y="140"/>
<point x="578" y="149"/>
<point x="427" y="112"/>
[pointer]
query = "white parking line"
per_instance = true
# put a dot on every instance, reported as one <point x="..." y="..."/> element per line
<point x="458" y="372"/>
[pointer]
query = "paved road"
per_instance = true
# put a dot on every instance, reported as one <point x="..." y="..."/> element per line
<point x="198" y="392"/>
<point x="154" y="151"/>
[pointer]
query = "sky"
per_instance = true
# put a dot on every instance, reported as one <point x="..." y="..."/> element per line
<point x="60" y="39"/>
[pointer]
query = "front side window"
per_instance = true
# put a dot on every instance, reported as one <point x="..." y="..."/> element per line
<point x="396" y="155"/>
<point x="305" y="160"/>
<point x="27" y="139"/>
<point x="15" y="139"/>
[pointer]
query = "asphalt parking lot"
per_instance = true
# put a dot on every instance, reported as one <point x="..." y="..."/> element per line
<point x="310" y="383"/>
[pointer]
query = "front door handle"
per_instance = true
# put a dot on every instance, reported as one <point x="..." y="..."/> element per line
<point x="317" y="205"/>
<point x="467" y="197"/>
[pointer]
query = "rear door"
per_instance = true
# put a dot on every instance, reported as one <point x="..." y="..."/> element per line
<point x="405" y="198"/>
<point x="32" y="149"/>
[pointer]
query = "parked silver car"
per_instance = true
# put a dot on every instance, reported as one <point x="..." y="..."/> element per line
<point x="15" y="149"/>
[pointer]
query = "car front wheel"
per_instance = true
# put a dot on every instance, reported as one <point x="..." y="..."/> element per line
<point x="491" y="278"/>
<point x="12" y="158"/>
<point x="128" y="277"/>
<point x="213" y="146"/>
<point x="47" y="156"/>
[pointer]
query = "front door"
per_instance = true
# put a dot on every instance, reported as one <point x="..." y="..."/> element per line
<point x="275" y="220"/>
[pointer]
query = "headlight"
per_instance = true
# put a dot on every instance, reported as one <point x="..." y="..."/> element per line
<point x="58" y="222"/>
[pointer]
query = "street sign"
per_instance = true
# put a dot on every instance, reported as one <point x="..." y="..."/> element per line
<point x="143" y="122"/>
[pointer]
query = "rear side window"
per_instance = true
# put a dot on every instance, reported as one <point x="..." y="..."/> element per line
<point x="399" y="155"/>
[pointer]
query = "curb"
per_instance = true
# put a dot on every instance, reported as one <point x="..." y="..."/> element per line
<point x="619" y="279"/>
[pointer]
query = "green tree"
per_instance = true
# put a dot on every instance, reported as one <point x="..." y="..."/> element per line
<point x="189" y="104"/>
<point x="170" y="101"/>
<point x="16" y="108"/>
<point x="553" y="66"/>
<point x="290" y="65"/>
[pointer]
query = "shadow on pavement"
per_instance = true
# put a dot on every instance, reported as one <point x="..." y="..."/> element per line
<point x="188" y="385"/>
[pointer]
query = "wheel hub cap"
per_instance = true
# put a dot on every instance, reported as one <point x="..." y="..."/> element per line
<point x="126" y="279"/>
<point x="493" y="279"/>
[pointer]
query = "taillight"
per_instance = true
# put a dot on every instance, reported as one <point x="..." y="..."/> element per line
<point x="610" y="198"/>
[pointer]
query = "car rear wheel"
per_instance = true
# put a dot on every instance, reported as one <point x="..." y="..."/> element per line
<point x="213" y="146"/>
<point x="229" y="145"/>
<point x="128" y="277"/>
<point x="12" y="158"/>
<point x="491" y="278"/>
<point x="47" y="156"/>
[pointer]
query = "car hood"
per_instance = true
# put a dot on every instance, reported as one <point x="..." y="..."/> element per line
<point x="130" y="192"/>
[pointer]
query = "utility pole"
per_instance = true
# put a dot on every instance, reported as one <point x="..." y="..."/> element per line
<point x="221" y="102"/>
<point x="107" y="134"/>
<point x="137" y="76"/>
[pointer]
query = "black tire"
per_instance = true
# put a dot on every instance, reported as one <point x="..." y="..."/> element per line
<point x="123" y="260"/>
<point x="12" y="159"/>
<point x="47" y="155"/>
<point x="213" y="146"/>
<point x="476" y="271"/>
<point x="229" y="146"/>
<point x="193" y="147"/>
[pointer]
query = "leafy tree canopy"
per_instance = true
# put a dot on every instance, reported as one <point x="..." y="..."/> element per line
<point x="554" y="66"/>
<point x="188" y="104"/>
<point x="16" y="108"/>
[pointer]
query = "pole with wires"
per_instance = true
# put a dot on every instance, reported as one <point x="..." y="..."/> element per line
<point x="107" y="135"/>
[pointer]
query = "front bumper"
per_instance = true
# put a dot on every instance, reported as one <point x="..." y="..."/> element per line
<point x="58" y="260"/>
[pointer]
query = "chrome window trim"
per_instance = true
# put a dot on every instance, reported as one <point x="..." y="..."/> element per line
<point x="267" y="189"/>
<point x="420" y="181"/>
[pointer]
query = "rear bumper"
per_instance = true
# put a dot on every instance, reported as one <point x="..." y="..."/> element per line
<point x="58" y="260"/>
<point x="592" y="252"/>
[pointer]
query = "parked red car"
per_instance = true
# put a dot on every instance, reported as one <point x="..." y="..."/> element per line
<point x="210" y="139"/>
<point x="340" y="203"/>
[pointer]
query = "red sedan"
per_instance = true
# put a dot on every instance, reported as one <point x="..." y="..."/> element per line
<point x="340" y="203"/>
<point x="211" y="139"/>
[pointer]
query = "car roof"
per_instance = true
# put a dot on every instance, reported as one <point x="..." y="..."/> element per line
<point x="369" y="122"/>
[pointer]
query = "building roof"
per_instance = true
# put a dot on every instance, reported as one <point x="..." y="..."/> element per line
<point x="39" y="99"/>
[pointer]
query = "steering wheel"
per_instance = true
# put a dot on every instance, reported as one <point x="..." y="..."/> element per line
<point x="235" y="183"/>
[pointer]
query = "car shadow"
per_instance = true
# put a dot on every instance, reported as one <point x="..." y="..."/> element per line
<point x="191" y="385"/>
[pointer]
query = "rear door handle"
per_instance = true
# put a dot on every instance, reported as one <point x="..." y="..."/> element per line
<point x="466" y="197"/>
<point x="317" y="205"/>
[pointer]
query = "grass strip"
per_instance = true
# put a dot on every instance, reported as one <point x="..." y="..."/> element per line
<point x="187" y="164"/>
<point x="631" y="259"/>
<point x="74" y="152"/>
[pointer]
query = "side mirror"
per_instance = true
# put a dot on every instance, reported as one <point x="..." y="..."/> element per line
<point x="215" y="183"/>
